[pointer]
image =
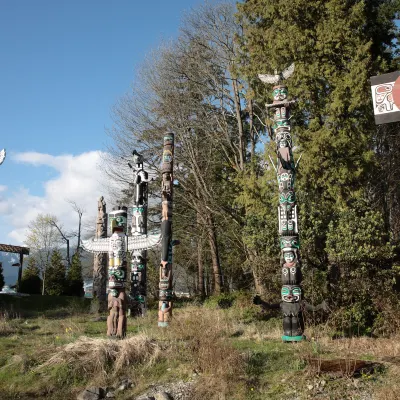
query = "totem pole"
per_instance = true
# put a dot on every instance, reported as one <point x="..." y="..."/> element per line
<point x="137" y="293"/>
<point x="291" y="294"/>
<point x="100" y="259"/>
<point x="117" y="246"/>
<point x="2" y="156"/>
<point x="116" y="321"/>
<point x="165" y="286"/>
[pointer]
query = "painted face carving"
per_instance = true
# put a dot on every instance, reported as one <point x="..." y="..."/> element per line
<point x="288" y="256"/>
<point x="116" y="275"/>
<point x="286" y="181"/>
<point x="167" y="156"/>
<point x="280" y="93"/>
<point x="287" y="198"/>
<point x="119" y="221"/>
<point x="291" y="242"/>
<point x="291" y="294"/>
<point x="168" y="140"/>
<point x="283" y="139"/>
<point x="281" y="123"/>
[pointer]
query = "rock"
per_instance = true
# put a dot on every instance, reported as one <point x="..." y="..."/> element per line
<point x="92" y="393"/>
<point x="323" y="383"/>
<point x="310" y="387"/>
<point x="125" y="384"/>
<point x="110" y="395"/>
<point x="162" y="396"/>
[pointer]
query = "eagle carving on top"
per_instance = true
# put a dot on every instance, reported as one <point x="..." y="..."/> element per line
<point x="2" y="156"/>
<point x="277" y="77"/>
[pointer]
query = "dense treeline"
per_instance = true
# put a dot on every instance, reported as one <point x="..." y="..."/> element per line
<point x="204" y="87"/>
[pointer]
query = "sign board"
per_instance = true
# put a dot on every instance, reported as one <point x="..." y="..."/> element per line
<point x="386" y="97"/>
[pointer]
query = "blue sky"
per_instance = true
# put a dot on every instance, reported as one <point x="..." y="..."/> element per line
<point x="64" y="64"/>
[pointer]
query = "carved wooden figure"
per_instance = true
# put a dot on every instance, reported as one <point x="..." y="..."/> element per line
<point x="165" y="285"/>
<point x="100" y="259"/>
<point x="285" y="168"/>
<point x="117" y="246"/>
<point x="138" y="291"/>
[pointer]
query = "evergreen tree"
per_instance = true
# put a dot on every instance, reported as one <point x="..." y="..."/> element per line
<point x="2" y="282"/>
<point x="30" y="281"/>
<point x="74" y="276"/>
<point x="55" y="275"/>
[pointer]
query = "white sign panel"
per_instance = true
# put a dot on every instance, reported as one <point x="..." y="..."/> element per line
<point x="386" y="97"/>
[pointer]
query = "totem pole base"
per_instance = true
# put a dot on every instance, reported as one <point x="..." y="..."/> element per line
<point x="293" y="338"/>
<point x="116" y="321"/>
<point x="163" y="324"/>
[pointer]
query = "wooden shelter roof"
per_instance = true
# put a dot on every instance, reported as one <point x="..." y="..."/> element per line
<point x="7" y="248"/>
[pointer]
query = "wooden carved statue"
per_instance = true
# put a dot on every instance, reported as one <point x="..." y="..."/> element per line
<point x="165" y="285"/>
<point x="291" y="293"/>
<point x="138" y="291"/>
<point x="100" y="259"/>
<point x="117" y="246"/>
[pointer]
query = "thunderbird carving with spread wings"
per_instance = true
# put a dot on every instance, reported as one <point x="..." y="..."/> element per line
<point x="276" y="78"/>
<point x="134" y="243"/>
<point x="2" y="156"/>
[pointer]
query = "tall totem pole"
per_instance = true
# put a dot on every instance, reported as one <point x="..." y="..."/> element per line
<point x="117" y="245"/>
<point x="116" y="321"/>
<point x="139" y="227"/>
<point x="291" y="294"/>
<point x="100" y="259"/>
<point x="165" y="286"/>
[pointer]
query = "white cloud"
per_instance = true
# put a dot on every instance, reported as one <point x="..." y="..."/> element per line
<point x="79" y="179"/>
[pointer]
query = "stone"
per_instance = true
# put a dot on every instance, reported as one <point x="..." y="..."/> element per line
<point x="92" y="393"/>
<point x="125" y="384"/>
<point x="310" y="387"/>
<point x="162" y="396"/>
<point x="110" y="395"/>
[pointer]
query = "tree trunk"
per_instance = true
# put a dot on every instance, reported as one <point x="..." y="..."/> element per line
<point x="68" y="257"/>
<point x="44" y="278"/>
<point x="200" y="266"/>
<point x="200" y="260"/>
<point x="258" y="283"/>
<point x="212" y="239"/>
<point x="242" y="145"/>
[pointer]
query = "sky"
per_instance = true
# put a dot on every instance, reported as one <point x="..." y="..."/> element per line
<point x="64" y="64"/>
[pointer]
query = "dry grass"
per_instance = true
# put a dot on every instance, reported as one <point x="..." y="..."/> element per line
<point x="198" y="336"/>
<point x="391" y="389"/>
<point x="97" y="357"/>
<point x="378" y="348"/>
<point x="8" y="323"/>
<point x="233" y="355"/>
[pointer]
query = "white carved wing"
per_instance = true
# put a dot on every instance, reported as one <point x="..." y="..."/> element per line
<point x="288" y="71"/>
<point x="2" y="156"/>
<point x="269" y="78"/>
<point x="96" y="245"/>
<point x="143" y="242"/>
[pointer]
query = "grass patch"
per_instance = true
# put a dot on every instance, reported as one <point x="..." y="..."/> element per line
<point x="225" y="352"/>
